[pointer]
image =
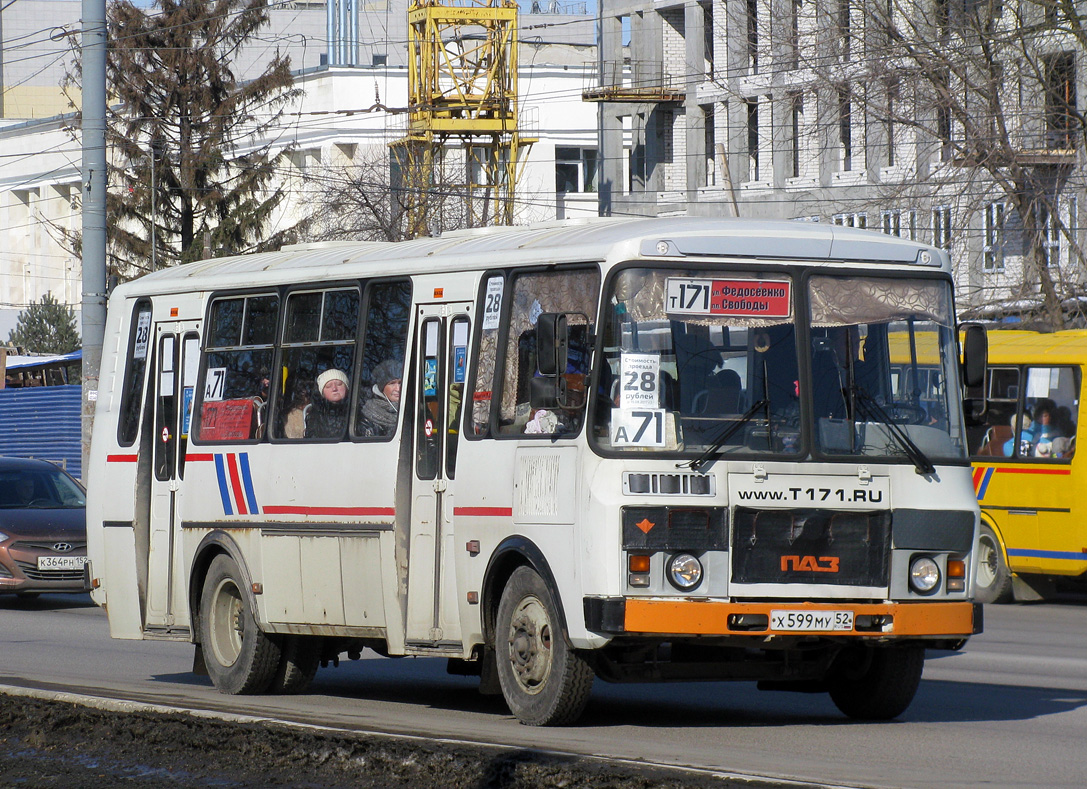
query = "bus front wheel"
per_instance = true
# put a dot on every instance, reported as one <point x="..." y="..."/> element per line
<point x="876" y="683"/>
<point x="544" y="682"/>
<point x="993" y="583"/>
<point x="240" y="658"/>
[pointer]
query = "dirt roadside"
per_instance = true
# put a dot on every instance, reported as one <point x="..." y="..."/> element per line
<point x="46" y="744"/>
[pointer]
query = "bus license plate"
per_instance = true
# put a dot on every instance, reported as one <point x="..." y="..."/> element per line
<point x="61" y="562"/>
<point x="804" y="621"/>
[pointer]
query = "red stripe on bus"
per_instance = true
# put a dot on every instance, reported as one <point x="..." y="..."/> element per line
<point x="1013" y="470"/>
<point x="122" y="458"/>
<point x="236" y="483"/>
<point x="285" y="510"/>
<point x="501" y="512"/>
<point x="198" y="457"/>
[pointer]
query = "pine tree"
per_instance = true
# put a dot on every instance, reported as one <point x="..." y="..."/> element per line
<point x="46" y="327"/>
<point x="177" y="106"/>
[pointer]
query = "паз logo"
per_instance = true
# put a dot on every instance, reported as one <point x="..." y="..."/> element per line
<point x="812" y="564"/>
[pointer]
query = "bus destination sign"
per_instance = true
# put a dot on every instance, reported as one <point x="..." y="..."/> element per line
<point x="735" y="298"/>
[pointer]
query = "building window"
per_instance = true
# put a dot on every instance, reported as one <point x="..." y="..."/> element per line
<point x="753" y="139"/>
<point x="845" y="130"/>
<point x="898" y="223"/>
<point x="889" y="123"/>
<point x="575" y="169"/>
<point x="859" y="220"/>
<point x="844" y="32"/>
<point x="796" y="112"/>
<point x="993" y="259"/>
<point x="753" y="36"/>
<point x="1060" y="100"/>
<point x="941" y="227"/>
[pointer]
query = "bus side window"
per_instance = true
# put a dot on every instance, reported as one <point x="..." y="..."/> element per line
<point x="315" y="384"/>
<point x="574" y="292"/>
<point x="237" y="367"/>
<point x="388" y="318"/>
<point x="138" y="352"/>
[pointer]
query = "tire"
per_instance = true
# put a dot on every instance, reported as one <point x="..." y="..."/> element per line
<point x="544" y="682"/>
<point x="298" y="664"/>
<point x="876" y="683"/>
<point x="993" y="583"/>
<point x="240" y="658"/>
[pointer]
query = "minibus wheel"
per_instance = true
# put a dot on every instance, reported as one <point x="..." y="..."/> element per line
<point x="876" y="683"/>
<point x="544" y="681"/>
<point x="298" y="665"/>
<point x="240" y="658"/>
<point x="993" y="583"/>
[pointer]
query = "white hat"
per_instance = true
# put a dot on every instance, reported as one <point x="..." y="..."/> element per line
<point x="331" y="374"/>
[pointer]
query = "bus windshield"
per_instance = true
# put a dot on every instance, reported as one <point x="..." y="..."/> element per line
<point x="713" y="362"/>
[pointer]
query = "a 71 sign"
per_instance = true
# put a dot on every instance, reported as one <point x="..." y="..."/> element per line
<point x="634" y="427"/>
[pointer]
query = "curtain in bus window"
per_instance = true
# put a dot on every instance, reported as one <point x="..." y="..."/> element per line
<point x="493" y="297"/>
<point x="572" y="292"/>
<point x="836" y="301"/>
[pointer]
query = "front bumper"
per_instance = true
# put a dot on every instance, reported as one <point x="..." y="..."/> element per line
<point x="667" y="617"/>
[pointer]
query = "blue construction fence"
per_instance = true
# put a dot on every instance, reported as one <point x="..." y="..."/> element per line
<point x="43" y="422"/>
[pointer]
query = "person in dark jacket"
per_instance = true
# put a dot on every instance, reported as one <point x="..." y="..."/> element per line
<point x="380" y="411"/>
<point x="326" y="416"/>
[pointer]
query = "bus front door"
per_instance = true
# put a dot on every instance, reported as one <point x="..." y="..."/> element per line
<point x="441" y="360"/>
<point x="177" y="354"/>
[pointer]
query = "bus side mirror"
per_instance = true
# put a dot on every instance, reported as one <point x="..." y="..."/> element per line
<point x="975" y="358"/>
<point x="552" y="343"/>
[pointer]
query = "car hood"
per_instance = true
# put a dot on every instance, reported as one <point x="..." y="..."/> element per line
<point x="44" y="522"/>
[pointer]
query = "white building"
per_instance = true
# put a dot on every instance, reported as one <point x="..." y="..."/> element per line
<point x="332" y="124"/>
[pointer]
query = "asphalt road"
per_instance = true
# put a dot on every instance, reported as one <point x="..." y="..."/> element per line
<point x="1010" y="710"/>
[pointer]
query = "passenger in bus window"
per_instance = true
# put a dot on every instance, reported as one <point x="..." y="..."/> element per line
<point x="380" y="411"/>
<point x="294" y="425"/>
<point x="1045" y="429"/>
<point x="1022" y="433"/>
<point x="327" y="414"/>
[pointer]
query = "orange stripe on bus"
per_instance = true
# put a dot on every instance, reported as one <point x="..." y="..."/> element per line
<point x="122" y="458"/>
<point x="689" y="617"/>
<point x="193" y="458"/>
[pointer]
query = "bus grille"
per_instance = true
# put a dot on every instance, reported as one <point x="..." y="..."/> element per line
<point x="811" y="547"/>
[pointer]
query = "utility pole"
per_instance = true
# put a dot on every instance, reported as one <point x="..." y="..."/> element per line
<point x="94" y="208"/>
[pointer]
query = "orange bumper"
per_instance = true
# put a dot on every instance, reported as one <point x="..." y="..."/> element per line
<point x="692" y="617"/>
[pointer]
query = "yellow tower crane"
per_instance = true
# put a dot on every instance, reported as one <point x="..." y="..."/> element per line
<point x="462" y="96"/>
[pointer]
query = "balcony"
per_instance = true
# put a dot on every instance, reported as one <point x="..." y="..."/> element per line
<point x="633" y="80"/>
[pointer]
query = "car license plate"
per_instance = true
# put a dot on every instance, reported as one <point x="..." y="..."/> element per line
<point x="806" y="621"/>
<point x="61" y="562"/>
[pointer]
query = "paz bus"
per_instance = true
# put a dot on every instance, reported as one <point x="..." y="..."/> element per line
<point x="1026" y="472"/>
<point x="626" y="449"/>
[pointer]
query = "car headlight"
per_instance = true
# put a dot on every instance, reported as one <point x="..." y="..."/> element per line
<point x="3" y="536"/>
<point x="684" y="572"/>
<point x="924" y="574"/>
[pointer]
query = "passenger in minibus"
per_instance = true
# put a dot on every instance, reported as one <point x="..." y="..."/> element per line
<point x="1045" y="429"/>
<point x="379" y="412"/>
<point x="327" y="414"/>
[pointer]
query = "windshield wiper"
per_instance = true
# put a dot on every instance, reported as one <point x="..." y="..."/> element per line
<point x="726" y="434"/>
<point x="870" y="407"/>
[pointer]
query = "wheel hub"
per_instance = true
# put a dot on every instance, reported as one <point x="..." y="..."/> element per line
<point x="530" y="644"/>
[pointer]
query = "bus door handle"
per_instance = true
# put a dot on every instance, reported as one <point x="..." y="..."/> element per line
<point x="440" y="485"/>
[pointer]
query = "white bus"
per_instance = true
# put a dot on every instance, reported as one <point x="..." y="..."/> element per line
<point x="633" y="449"/>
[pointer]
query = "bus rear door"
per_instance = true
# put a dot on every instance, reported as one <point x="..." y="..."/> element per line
<point x="441" y="360"/>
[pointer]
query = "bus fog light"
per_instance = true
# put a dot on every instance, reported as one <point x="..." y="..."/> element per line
<point x="684" y="572"/>
<point x="924" y="575"/>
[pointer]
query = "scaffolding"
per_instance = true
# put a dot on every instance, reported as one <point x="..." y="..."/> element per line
<point x="462" y="97"/>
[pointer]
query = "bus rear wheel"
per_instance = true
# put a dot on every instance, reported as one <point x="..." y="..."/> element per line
<point x="876" y="683"/>
<point x="239" y="657"/>
<point x="993" y="583"/>
<point x="544" y="682"/>
<point x="298" y="665"/>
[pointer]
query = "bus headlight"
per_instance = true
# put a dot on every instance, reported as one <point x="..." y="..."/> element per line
<point x="684" y="572"/>
<point x="924" y="575"/>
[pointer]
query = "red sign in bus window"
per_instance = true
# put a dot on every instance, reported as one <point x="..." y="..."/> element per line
<point x="226" y="420"/>
<point x="736" y="298"/>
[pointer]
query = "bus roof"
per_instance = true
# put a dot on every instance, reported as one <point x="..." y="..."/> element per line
<point x="566" y="241"/>
<point x="1013" y="346"/>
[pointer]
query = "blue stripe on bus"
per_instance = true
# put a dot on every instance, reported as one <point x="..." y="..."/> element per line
<point x="1076" y="556"/>
<point x="247" y="481"/>
<point x="224" y="491"/>
<point x="985" y="482"/>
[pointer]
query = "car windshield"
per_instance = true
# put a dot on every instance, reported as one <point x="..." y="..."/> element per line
<point x="39" y="489"/>
<point x="709" y="363"/>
